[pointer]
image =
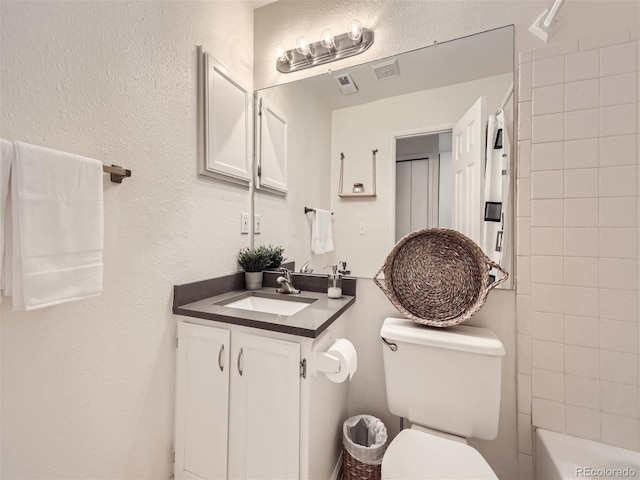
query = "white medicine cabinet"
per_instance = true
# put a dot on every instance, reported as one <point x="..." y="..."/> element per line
<point x="224" y="106"/>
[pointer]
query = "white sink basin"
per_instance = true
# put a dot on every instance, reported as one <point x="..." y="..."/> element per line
<point x="270" y="305"/>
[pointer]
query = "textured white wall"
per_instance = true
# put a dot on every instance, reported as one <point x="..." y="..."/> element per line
<point x="87" y="387"/>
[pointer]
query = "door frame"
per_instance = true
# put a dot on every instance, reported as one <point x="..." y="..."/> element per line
<point x="413" y="132"/>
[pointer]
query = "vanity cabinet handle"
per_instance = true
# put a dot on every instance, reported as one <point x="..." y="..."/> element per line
<point x="220" y="358"/>
<point x="239" y="358"/>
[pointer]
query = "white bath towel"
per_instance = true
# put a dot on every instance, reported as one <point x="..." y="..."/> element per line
<point x="57" y="223"/>
<point x="6" y="158"/>
<point x="321" y="232"/>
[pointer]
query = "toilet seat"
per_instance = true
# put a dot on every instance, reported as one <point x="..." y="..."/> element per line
<point x="418" y="455"/>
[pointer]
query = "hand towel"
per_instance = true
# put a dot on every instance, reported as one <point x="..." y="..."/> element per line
<point x="6" y="159"/>
<point x="57" y="222"/>
<point x="321" y="232"/>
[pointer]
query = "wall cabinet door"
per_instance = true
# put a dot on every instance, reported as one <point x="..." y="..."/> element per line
<point x="272" y="149"/>
<point x="265" y="409"/>
<point x="202" y="402"/>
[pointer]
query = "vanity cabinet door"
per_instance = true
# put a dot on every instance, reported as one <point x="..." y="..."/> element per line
<point x="202" y="402"/>
<point x="265" y="408"/>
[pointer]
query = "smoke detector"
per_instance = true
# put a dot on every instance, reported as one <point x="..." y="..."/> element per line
<point x="387" y="69"/>
<point x="346" y="84"/>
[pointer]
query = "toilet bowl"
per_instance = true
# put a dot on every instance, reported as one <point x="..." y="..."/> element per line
<point x="446" y="382"/>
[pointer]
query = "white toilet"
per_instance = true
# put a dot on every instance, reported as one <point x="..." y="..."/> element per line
<point x="446" y="382"/>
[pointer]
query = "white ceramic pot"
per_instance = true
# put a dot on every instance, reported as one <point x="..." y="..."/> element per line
<point x="253" y="280"/>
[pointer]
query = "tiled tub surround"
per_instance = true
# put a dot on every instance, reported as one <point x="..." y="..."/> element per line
<point x="578" y="214"/>
<point x="207" y="300"/>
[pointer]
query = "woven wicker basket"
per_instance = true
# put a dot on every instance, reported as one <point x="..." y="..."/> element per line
<point x="437" y="277"/>
<point x="353" y="469"/>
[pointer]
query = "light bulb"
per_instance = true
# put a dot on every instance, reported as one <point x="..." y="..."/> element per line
<point x="302" y="46"/>
<point x="354" y="30"/>
<point x="326" y="38"/>
<point x="281" y="53"/>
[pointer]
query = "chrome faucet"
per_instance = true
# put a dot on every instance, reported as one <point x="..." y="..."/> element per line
<point x="286" y="282"/>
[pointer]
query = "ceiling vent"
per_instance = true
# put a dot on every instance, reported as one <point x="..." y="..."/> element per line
<point x="346" y="84"/>
<point x="387" y="69"/>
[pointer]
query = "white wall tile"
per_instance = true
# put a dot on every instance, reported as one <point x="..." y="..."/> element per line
<point x="617" y="212"/>
<point x="525" y="434"/>
<point x="555" y="50"/>
<point x="524" y="236"/>
<point x="618" y="59"/>
<point x="618" y="89"/>
<point x="581" y="361"/>
<point x="581" y="153"/>
<point x="546" y="213"/>
<point x="523" y="314"/>
<point x="581" y="301"/>
<point x="524" y="159"/>
<point x="549" y="99"/>
<point x="548" y="184"/>
<point x="581" y="271"/>
<point x="546" y="298"/>
<point x="581" y="124"/>
<point x="523" y="274"/>
<point x="547" y="269"/>
<point x="618" y="181"/>
<point x="618" y="242"/>
<point x="549" y="71"/>
<point x="619" y="367"/>
<point x="525" y="83"/>
<point x="526" y="56"/>
<point x="582" y="95"/>
<point x="525" y="467"/>
<point x="581" y="183"/>
<point x="620" y="431"/>
<point x="581" y="331"/>
<point x="582" y="391"/>
<point x="547" y="355"/>
<point x="523" y="398"/>
<point x="550" y="128"/>
<point x="619" y="336"/>
<point x="619" y="304"/>
<point x="580" y="212"/>
<point x="618" y="120"/>
<point x="579" y="242"/>
<point x="620" y="150"/>
<point x="548" y="414"/>
<point x="604" y="39"/>
<point x="523" y="360"/>
<point x="547" y="156"/>
<point x="582" y="65"/>
<point x="582" y="422"/>
<point x="547" y="326"/>
<point x="524" y="197"/>
<point x="547" y="384"/>
<point x="618" y="273"/>
<point x="546" y="241"/>
<point x="619" y="399"/>
<point x="524" y="121"/>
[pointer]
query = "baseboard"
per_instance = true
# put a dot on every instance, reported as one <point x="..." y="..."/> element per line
<point x="337" y="471"/>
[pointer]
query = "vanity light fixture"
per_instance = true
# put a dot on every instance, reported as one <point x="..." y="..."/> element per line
<point x="329" y="48"/>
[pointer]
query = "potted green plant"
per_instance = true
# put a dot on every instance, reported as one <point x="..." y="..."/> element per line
<point x="253" y="261"/>
<point x="275" y="257"/>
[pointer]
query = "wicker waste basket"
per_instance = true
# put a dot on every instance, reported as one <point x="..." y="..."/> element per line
<point x="364" y="440"/>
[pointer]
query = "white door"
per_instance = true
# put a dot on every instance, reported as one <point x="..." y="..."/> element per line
<point x="202" y="402"/>
<point x="468" y="171"/>
<point x="265" y="409"/>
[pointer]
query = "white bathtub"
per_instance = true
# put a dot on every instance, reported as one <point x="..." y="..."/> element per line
<point x="560" y="456"/>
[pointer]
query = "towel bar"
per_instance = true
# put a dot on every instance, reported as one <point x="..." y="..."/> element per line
<point x="307" y="210"/>
<point x="117" y="172"/>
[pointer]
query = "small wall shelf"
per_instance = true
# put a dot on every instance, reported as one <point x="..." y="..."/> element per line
<point x="343" y="194"/>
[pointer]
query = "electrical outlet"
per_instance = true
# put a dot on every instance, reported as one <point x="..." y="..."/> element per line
<point x="256" y="223"/>
<point x="363" y="229"/>
<point x="244" y="223"/>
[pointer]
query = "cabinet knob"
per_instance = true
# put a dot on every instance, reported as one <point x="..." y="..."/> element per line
<point x="220" y="358"/>
<point x="240" y="358"/>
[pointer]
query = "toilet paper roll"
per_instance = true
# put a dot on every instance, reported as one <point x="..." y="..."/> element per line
<point x="346" y="353"/>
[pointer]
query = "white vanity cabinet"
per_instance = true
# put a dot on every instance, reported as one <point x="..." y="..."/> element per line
<point x="237" y="405"/>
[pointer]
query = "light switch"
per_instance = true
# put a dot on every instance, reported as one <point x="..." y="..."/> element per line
<point x="244" y="223"/>
<point x="363" y="228"/>
<point x="256" y="223"/>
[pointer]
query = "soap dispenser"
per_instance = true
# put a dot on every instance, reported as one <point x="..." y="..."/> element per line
<point x="334" y="287"/>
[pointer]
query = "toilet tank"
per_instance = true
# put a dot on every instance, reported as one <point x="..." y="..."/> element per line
<point x="446" y="379"/>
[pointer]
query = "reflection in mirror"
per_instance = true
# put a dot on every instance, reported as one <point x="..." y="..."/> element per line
<point x="430" y="114"/>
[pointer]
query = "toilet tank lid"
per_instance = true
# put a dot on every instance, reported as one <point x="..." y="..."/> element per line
<point x="460" y="337"/>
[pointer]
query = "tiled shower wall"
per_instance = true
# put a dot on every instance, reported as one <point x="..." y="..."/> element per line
<point x="578" y="254"/>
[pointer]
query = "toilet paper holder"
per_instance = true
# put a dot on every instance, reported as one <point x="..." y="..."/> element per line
<point x="327" y="363"/>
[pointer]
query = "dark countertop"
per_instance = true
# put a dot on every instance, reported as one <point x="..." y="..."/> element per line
<point x="309" y="322"/>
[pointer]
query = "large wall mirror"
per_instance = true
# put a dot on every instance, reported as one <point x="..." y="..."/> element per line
<point x="440" y="119"/>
